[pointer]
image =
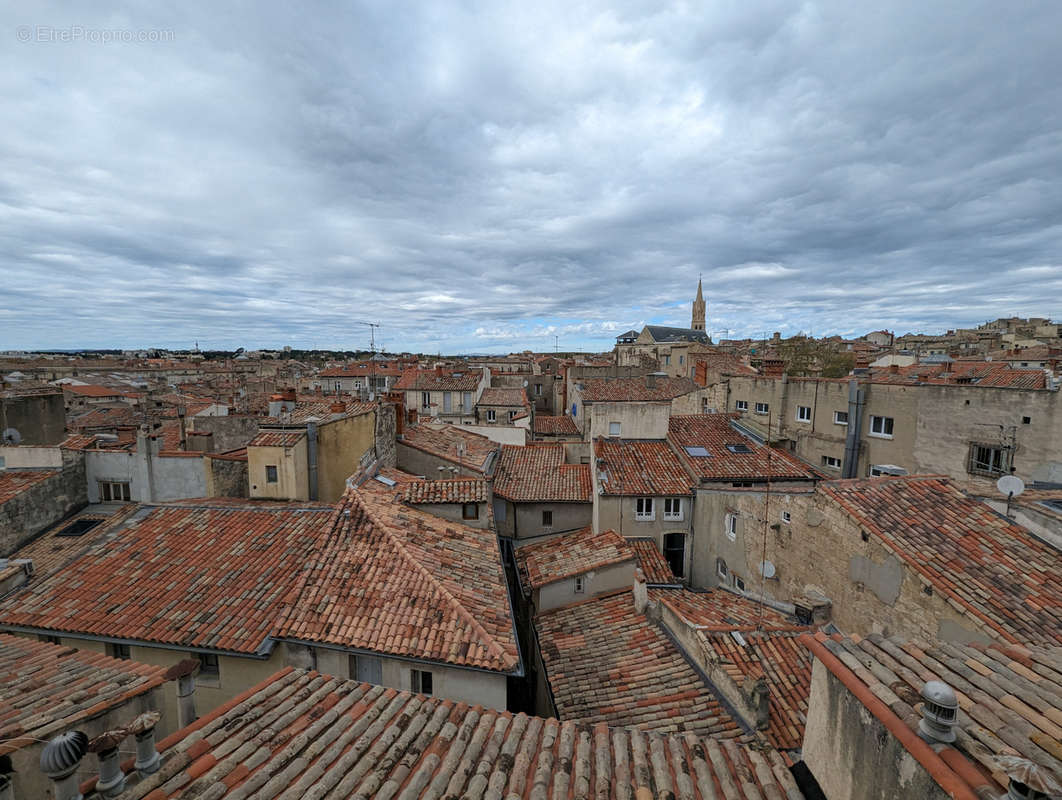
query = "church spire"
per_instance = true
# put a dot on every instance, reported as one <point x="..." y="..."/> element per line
<point x="698" y="309"/>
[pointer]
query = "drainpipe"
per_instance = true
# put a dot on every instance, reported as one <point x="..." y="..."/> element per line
<point x="60" y="759"/>
<point x="111" y="782"/>
<point x="856" y="400"/>
<point x="184" y="673"/>
<point x="311" y="457"/>
<point x="147" y="755"/>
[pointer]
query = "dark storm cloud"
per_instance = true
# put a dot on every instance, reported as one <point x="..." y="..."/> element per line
<point x="482" y="177"/>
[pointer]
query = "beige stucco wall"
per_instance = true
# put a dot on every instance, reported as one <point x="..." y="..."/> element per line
<point x="637" y="420"/>
<point x="852" y="755"/>
<point x="454" y="511"/>
<point x="292" y="474"/>
<point x="604" y="579"/>
<point x="524" y="520"/>
<point x="340" y="445"/>
<point x="618" y="513"/>
<point x="419" y="462"/>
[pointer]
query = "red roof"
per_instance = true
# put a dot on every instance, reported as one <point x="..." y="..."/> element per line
<point x="15" y="481"/>
<point x="268" y="438"/>
<point x="993" y="570"/>
<point x="399" y="581"/>
<point x="575" y="553"/>
<point x="628" y="390"/>
<point x="654" y="566"/>
<point x="555" y="426"/>
<point x="974" y="373"/>
<point x="429" y="380"/>
<point x="721" y="610"/>
<point x="455" y="490"/>
<point x="444" y="440"/>
<point x="713" y="433"/>
<point x="362" y="369"/>
<point x="89" y="390"/>
<point x="503" y="397"/>
<point x="537" y="473"/>
<point x="640" y="467"/>
<point x="605" y="662"/>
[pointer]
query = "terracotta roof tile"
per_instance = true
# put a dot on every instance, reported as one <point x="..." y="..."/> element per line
<point x="575" y="553"/>
<point x="656" y="569"/>
<point x="1005" y="579"/>
<point x="14" y="482"/>
<point x="555" y="426"/>
<point x="274" y="438"/>
<point x="360" y="740"/>
<point x="635" y="390"/>
<point x="46" y="689"/>
<point x="503" y="397"/>
<point x="429" y="380"/>
<point x="606" y="663"/>
<point x="640" y="467"/>
<point x="973" y="373"/>
<point x="537" y="473"/>
<point x="714" y="434"/>
<point x="396" y="580"/>
<point x="444" y="440"/>
<point x="456" y="490"/>
<point x="721" y="610"/>
<point x="89" y="390"/>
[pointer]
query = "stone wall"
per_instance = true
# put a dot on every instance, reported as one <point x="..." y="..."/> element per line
<point x="39" y="417"/>
<point x="230" y="433"/>
<point x="386" y="419"/>
<point x="43" y="504"/>
<point x="226" y="477"/>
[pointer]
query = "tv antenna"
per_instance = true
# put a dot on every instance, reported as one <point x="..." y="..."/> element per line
<point x="372" y="355"/>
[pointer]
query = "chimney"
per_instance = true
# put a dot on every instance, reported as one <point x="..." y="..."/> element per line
<point x="60" y="759"/>
<point x="438" y="370"/>
<point x="894" y="369"/>
<point x="184" y="673"/>
<point x="773" y="367"/>
<point x="938" y="713"/>
<point x="641" y="591"/>
<point x="147" y="756"/>
<point x="758" y="696"/>
<point x="338" y="407"/>
<point x="181" y="413"/>
<point x="111" y="782"/>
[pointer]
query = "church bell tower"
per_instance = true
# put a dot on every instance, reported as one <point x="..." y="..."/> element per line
<point x="698" y="309"/>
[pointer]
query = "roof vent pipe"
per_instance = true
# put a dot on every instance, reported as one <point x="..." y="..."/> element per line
<point x="1027" y="780"/>
<point x="60" y="759"/>
<point x="111" y="782"/>
<point x="147" y="755"/>
<point x="184" y="673"/>
<point x="939" y="711"/>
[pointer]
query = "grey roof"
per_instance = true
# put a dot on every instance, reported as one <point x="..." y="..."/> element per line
<point x="663" y="334"/>
<point x="632" y="334"/>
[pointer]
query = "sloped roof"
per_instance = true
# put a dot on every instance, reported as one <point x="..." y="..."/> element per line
<point x="429" y="380"/>
<point x="973" y="373"/>
<point x="368" y="741"/>
<point x="456" y="490"/>
<point x="537" y="473"/>
<point x="575" y="553"/>
<point x="1010" y="697"/>
<point x="90" y="390"/>
<point x="636" y="390"/>
<point x="503" y="397"/>
<point x="1003" y="578"/>
<point x="606" y="663"/>
<point x="170" y="573"/>
<point x="721" y="610"/>
<point x="555" y="426"/>
<point x="46" y="689"/>
<point x="444" y="440"/>
<point x="713" y="432"/>
<point x="14" y="482"/>
<point x="662" y="334"/>
<point x="640" y="467"/>
<point x="268" y="438"/>
<point x="654" y="566"/>
<point x="362" y="369"/>
<point x="322" y="410"/>
<point x="395" y="580"/>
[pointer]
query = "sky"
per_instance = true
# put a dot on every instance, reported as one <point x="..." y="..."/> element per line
<point x="497" y="177"/>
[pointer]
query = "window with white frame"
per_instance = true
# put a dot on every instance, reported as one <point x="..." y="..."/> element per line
<point x="731" y="526"/>
<point x="667" y="360"/>
<point x="787" y="517"/>
<point x="673" y="508"/>
<point x="643" y="508"/>
<point x="491" y="415"/>
<point x="338" y="387"/>
<point x="803" y="414"/>
<point x="425" y="399"/>
<point x="614" y="429"/>
<point x="762" y="408"/>
<point x="512" y="416"/>
<point x="840" y="417"/>
<point x="114" y="490"/>
<point x="580" y="585"/>
<point x="741" y="405"/>
<point x="831" y="462"/>
<point x="720" y="568"/>
<point x="881" y="427"/>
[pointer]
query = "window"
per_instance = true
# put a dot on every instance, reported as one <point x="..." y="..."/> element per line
<point x="470" y="511"/>
<point x="338" y="386"/>
<point x="47" y="637"/>
<point x="682" y="359"/>
<point x="209" y="666"/>
<point x="491" y="415"/>
<point x="738" y="581"/>
<point x="547" y="519"/>
<point x="881" y="427"/>
<point x="643" y="508"/>
<point x="1026" y="420"/>
<point x="720" y="568"/>
<point x="731" y="526"/>
<point x="448" y="402"/>
<point x="538" y="390"/>
<point x="425" y="399"/>
<point x="675" y="553"/>
<point x="803" y="414"/>
<point x="614" y="429"/>
<point x="696" y="451"/>
<point x="118" y="650"/>
<point x="420" y="681"/>
<point x="739" y="447"/>
<point x="466" y="401"/>
<point x="367" y="669"/>
<point x="840" y="417"/>
<point x="512" y="416"/>
<point x="79" y="527"/>
<point x="271" y="473"/>
<point x="667" y="361"/>
<point x="116" y="491"/>
<point x="762" y="408"/>
<point x="787" y="517"/>
<point x="741" y="405"/>
<point x="580" y="585"/>
<point x="831" y="462"/>
<point x="673" y="508"/>
<point x="987" y="459"/>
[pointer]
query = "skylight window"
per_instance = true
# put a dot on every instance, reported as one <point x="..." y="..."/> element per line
<point x="79" y="527"/>
<point x="385" y="480"/>
<point x="697" y="452"/>
<point x="738" y="448"/>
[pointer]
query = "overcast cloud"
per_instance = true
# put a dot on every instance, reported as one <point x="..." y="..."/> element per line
<point x="486" y="177"/>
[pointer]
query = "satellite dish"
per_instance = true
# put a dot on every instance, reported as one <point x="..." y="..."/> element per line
<point x="12" y="436"/>
<point x="767" y="569"/>
<point x="1010" y="485"/>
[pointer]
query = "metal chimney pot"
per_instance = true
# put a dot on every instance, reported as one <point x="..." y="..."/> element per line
<point x="111" y="782"/>
<point x="147" y="756"/>
<point x="939" y="712"/>
<point x="60" y="759"/>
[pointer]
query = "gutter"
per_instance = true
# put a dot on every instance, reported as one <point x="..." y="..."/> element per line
<point x="262" y="653"/>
